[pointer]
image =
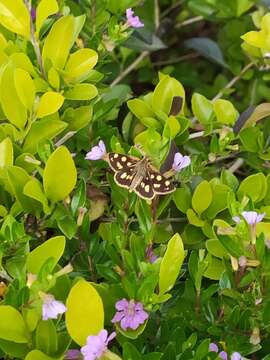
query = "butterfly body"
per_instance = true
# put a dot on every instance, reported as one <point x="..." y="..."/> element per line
<point x="139" y="175"/>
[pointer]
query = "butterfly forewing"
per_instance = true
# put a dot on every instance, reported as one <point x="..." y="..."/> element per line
<point x="120" y="162"/>
<point x="124" y="177"/>
<point x="145" y="189"/>
<point x="160" y="184"/>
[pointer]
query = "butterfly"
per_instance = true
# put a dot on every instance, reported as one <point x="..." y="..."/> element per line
<point x="139" y="175"/>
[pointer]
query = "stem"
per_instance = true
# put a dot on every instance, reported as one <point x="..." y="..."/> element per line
<point x="177" y="60"/>
<point x="34" y="41"/>
<point x="131" y="67"/>
<point x="234" y="80"/>
<point x="189" y="21"/>
<point x="236" y="165"/>
<point x="157" y="13"/>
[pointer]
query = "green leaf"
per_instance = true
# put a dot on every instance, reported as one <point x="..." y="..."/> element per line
<point x="225" y="112"/>
<point x="15" y="17"/>
<point x="81" y="92"/>
<point x="78" y="118"/>
<point x="37" y="355"/>
<point x="80" y="64"/>
<point x="6" y="152"/>
<point x="84" y="307"/>
<point x="172" y="127"/>
<point x="12" y="106"/>
<point x="171" y="264"/>
<point x="49" y="103"/>
<point x="219" y="201"/>
<point x="14" y="350"/>
<point x="140" y="108"/>
<point x="34" y="190"/>
<point x="25" y="88"/>
<point x="216" y="248"/>
<point x="194" y="219"/>
<point x="46" y="337"/>
<point x="44" y="9"/>
<point x="260" y="112"/>
<point x="52" y="248"/>
<point x="202" y="197"/>
<point x="59" y="42"/>
<point x="182" y="199"/>
<point x="60" y="175"/>
<point x="215" y="268"/>
<point x="54" y="78"/>
<point x="254" y="186"/>
<point x="208" y="48"/>
<point x="41" y="131"/>
<point x="202" y="108"/>
<point x="12" y="326"/>
<point x="165" y="91"/>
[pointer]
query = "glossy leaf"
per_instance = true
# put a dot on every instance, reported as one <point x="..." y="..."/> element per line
<point x="202" y="197"/>
<point x="41" y="131"/>
<point x="34" y="190"/>
<point x="37" y="355"/>
<point x="81" y="92"/>
<point x="171" y="264"/>
<point x="165" y="91"/>
<point x="6" y="152"/>
<point x="52" y="248"/>
<point x="80" y="64"/>
<point x="140" y="108"/>
<point x="44" y="9"/>
<point x="254" y="186"/>
<point x="202" y="108"/>
<point x="84" y="307"/>
<point x="46" y="337"/>
<point x="12" y="326"/>
<point x="25" y="88"/>
<point x="15" y="17"/>
<point x="225" y="112"/>
<point x="60" y="175"/>
<point x="49" y="103"/>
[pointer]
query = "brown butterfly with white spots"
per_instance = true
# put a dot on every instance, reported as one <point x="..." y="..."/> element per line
<point x="139" y="175"/>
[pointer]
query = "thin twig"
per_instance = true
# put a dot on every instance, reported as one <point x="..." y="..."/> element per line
<point x="134" y="220"/>
<point x="35" y="42"/>
<point x="236" y="165"/>
<point x="177" y="60"/>
<point x="157" y="21"/>
<point x="234" y="80"/>
<point x="189" y="21"/>
<point x="131" y="67"/>
<point x="65" y="138"/>
<point x="171" y="8"/>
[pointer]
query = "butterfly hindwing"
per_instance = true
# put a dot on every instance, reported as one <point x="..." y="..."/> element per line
<point x="120" y="162"/>
<point x="145" y="189"/>
<point x="124" y="178"/>
<point x="160" y="184"/>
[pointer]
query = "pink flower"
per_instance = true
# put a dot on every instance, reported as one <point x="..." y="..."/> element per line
<point x="150" y="255"/>
<point x="213" y="347"/>
<point x="51" y="308"/>
<point x="97" y="152"/>
<point x="180" y="161"/>
<point x="223" y="355"/>
<point x="252" y="217"/>
<point x="130" y="314"/>
<point x="133" y="21"/>
<point x="72" y="354"/>
<point x="96" y="345"/>
<point x="236" y="356"/>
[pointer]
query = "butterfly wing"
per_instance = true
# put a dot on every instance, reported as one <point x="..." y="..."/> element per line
<point x="120" y="162"/>
<point x="124" y="178"/>
<point x="145" y="189"/>
<point x="160" y="184"/>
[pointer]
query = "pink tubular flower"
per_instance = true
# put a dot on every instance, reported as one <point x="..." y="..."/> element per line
<point x="96" y="345"/>
<point x="180" y="162"/>
<point x="72" y="354"/>
<point x="213" y="347"/>
<point x="223" y="355"/>
<point x="150" y="255"/>
<point x="133" y="21"/>
<point x="97" y="152"/>
<point x="130" y="314"/>
<point x="236" y="356"/>
<point x="51" y="308"/>
<point x="252" y="217"/>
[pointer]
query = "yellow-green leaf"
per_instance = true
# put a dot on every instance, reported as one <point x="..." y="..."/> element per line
<point x="164" y="93"/>
<point x="15" y="17"/>
<point x="42" y="130"/>
<point x="37" y="355"/>
<point x="84" y="307"/>
<point x="12" y="326"/>
<point x="81" y="92"/>
<point x="80" y="64"/>
<point x="202" y="197"/>
<point x="44" y="9"/>
<point x="12" y="106"/>
<point x="254" y="186"/>
<point x="171" y="264"/>
<point x="58" y="43"/>
<point x="25" y="87"/>
<point x="50" y="102"/>
<point x="53" y="248"/>
<point x="60" y="175"/>
<point x="225" y="112"/>
<point x="34" y="190"/>
<point x="6" y="152"/>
